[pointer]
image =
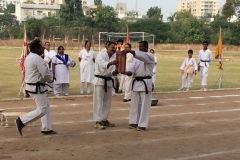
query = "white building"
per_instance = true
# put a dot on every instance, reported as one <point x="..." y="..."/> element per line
<point x="23" y="10"/>
<point x="199" y="8"/>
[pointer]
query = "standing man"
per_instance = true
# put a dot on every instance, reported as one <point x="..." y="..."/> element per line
<point x="36" y="75"/>
<point x="105" y="65"/>
<point x="204" y="59"/>
<point x="142" y="69"/>
<point x="48" y="55"/>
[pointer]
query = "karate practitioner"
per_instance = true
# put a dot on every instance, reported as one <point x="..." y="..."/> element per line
<point x="105" y="65"/>
<point x="86" y="58"/>
<point x="188" y="69"/>
<point x="60" y="69"/>
<point x="204" y="59"/>
<point x="36" y="75"/>
<point x="154" y="68"/>
<point x="142" y="69"/>
<point x="127" y="86"/>
<point x="48" y="55"/>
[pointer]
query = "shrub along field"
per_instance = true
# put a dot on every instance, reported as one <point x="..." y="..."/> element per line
<point x="168" y="72"/>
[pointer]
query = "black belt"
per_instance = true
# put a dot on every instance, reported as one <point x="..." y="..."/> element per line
<point x="205" y="61"/>
<point x="142" y="79"/>
<point x="38" y="85"/>
<point x="105" y="81"/>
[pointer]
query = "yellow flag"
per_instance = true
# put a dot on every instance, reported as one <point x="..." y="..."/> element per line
<point x="219" y="50"/>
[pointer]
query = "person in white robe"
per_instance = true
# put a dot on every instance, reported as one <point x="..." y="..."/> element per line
<point x="60" y="67"/>
<point x="105" y="65"/>
<point x="86" y="58"/>
<point x="188" y="70"/>
<point x="48" y="55"/>
<point x="154" y="68"/>
<point x="127" y="86"/>
<point x="37" y="73"/>
<point x="204" y="59"/>
<point x="142" y="69"/>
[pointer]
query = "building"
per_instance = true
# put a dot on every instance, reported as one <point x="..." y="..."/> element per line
<point x="199" y="8"/>
<point x="4" y="3"/>
<point x="24" y="10"/>
<point x="85" y="3"/>
<point x="121" y="10"/>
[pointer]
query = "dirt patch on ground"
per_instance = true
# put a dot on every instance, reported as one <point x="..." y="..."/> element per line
<point x="183" y="126"/>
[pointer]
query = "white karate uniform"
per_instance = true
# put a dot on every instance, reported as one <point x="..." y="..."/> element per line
<point x="37" y="71"/>
<point x="154" y="71"/>
<point x="102" y="100"/>
<point x="128" y="79"/>
<point x="48" y="55"/>
<point x="204" y="66"/>
<point x="62" y="74"/>
<point x="86" y="69"/>
<point x="141" y="66"/>
<point x="188" y="66"/>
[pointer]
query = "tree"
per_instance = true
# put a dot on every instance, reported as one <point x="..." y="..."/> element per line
<point x="228" y="9"/>
<point x="172" y="17"/>
<point x="33" y="26"/>
<point x="155" y="12"/>
<point x="10" y="8"/>
<point x="104" y="18"/>
<point x="72" y="12"/>
<point x="184" y="15"/>
<point x="97" y="2"/>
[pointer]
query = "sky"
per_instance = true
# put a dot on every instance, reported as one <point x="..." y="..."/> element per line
<point x="167" y="6"/>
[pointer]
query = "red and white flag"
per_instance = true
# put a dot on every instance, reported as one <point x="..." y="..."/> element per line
<point x="24" y="50"/>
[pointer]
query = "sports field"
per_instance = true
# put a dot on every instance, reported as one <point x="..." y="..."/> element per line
<point x="168" y="72"/>
<point x="183" y="126"/>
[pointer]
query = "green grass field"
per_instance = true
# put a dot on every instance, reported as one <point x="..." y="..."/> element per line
<point x="168" y="72"/>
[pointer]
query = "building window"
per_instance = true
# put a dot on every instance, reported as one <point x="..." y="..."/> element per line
<point x="26" y="12"/>
<point x="39" y="12"/>
<point x="49" y="14"/>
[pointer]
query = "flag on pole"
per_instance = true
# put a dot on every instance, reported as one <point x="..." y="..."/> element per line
<point x="218" y="54"/>
<point x="24" y="50"/>
<point x="128" y="36"/>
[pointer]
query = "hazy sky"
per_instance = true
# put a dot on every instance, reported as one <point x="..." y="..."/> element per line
<point x="167" y="6"/>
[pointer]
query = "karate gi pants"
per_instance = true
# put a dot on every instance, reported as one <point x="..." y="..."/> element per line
<point x="187" y="81"/>
<point x="204" y="75"/>
<point x="154" y="78"/>
<point x="61" y="88"/>
<point x="128" y="87"/>
<point x="42" y="111"/>
<point x="101" y="102"/>
<point x="140" y="108"/>
<point x="122" y="81"/>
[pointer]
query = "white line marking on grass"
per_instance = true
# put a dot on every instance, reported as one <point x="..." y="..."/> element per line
<point x="207" y="155"/>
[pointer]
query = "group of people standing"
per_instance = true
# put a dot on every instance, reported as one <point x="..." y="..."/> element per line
<point x="190" y="67"/>
<point x="41" y="71"/>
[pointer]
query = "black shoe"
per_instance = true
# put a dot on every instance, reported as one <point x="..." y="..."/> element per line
<point x="141" y="128"/>
<point x="126" y="100"/>
<point x="49" y="132"/>
<point x="132" y="126"/>
<point x="19" y="125"/>
<point x="108" y="124"/>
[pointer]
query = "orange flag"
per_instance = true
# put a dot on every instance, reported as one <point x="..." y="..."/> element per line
<point x="128" y="36"/>
<point x="218" y="54"/>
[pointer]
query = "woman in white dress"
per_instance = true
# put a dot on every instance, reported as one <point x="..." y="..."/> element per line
<point x="86" y="58"/>
<point x="60" y="69"/>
